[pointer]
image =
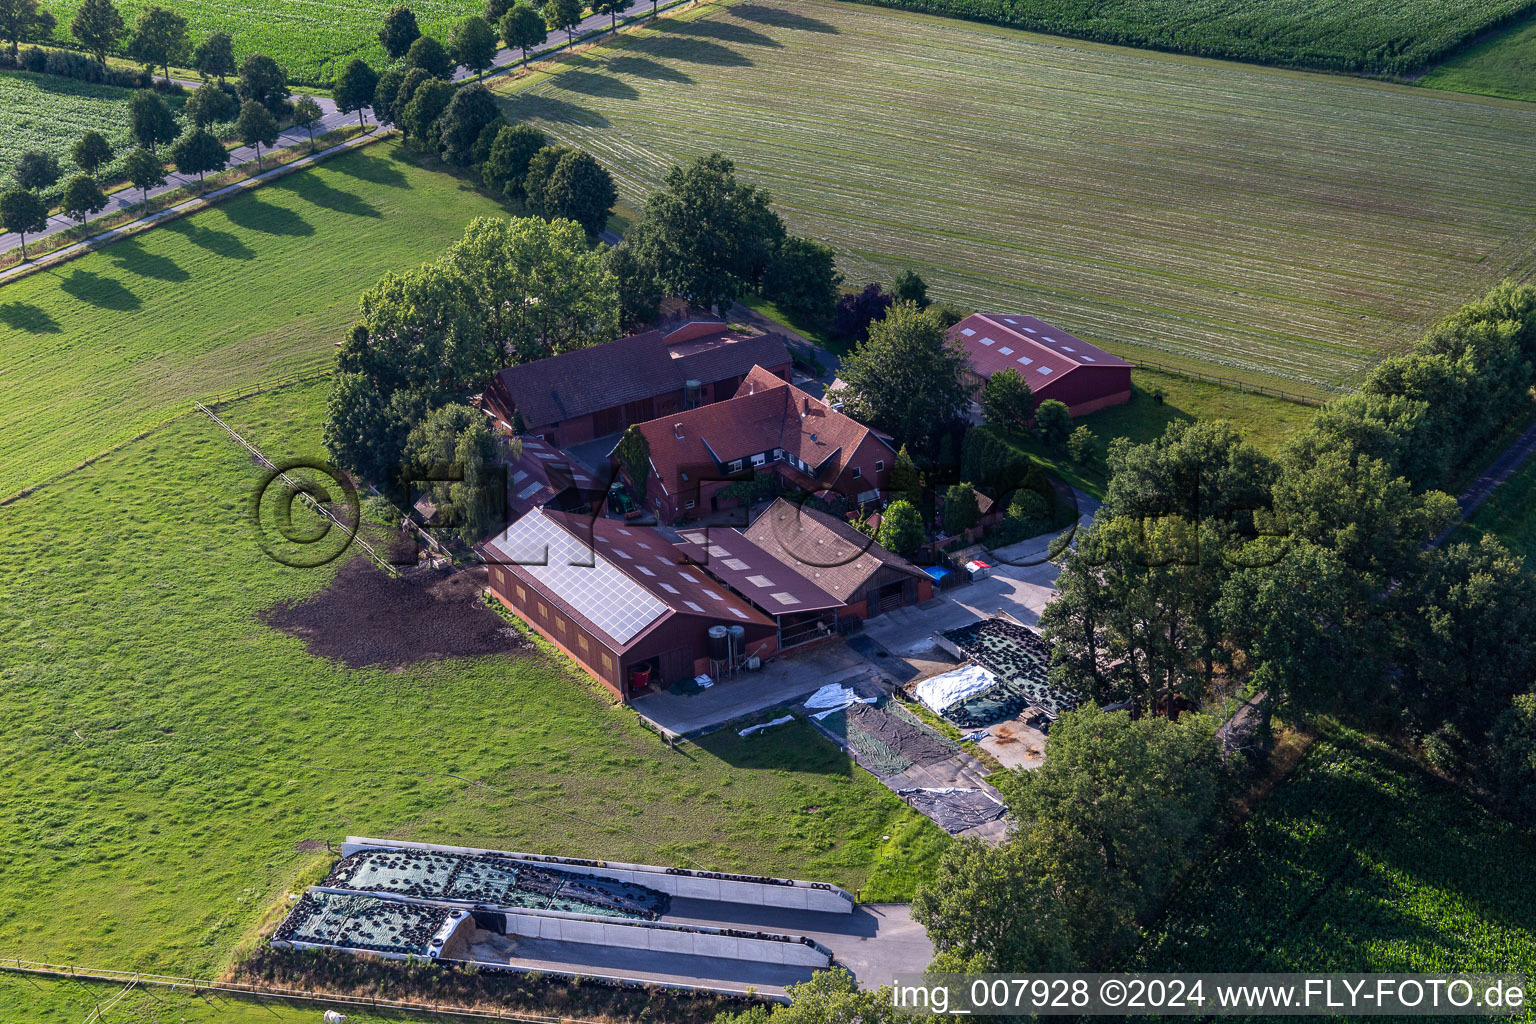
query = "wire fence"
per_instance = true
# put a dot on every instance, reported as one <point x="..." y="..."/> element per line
<point x="138" y="979"/>
<point x="1231" y="382"/>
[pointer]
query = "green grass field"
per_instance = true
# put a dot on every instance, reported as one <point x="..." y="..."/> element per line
<point x="312" y="41"/>
<point x="1359" y="861"/>
<point x="162" y="753"/>
<point x="1274" y="223"/>
<point x="1504" y="64"/>
<point x="97" y="349"/>
<point x="1263" y="420"/>
<point x="1332" y="35"/>
<point x="49" y="113"/>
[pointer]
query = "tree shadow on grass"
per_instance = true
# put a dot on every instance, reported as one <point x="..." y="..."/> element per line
<point x="644" y="67"/>
<point x="693" y="50"/>
<point x="254" y="214"/>
<point x="725" y="31"/>
<point x="318" y="192"/>
<point x="370" y="167"/>
<point x="589" y="83"/>
<point x="782" y="19"/>
<point x="130" y="255"/>
<point x="23" y="316"/>
<point x="105" y="292"/>
<point x="220" y="243"/>
<point x="528" y="107"/>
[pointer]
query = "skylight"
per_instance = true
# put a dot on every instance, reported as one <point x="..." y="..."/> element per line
<point x="1005" y="351"/>
<point x="760" y="581"/>
<point x="1045" y="369"/>
<point x="712" y="595"/>
<point x="738" y="613"/>
<point x="645" y="570"/>
<point x="695" y="606"/>
<point x="735" y="564"/>
<point x="967" y="331"/>
<point x="785" y="598"/>
<point x="1025" y="360"/>
<point x="669" y="588"/>
<point x="987" y="341"/>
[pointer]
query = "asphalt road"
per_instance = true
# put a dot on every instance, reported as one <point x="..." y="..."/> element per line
<point x="331" y="118"/>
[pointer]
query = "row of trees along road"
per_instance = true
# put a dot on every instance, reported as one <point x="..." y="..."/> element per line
<point x="1307" y="584"/>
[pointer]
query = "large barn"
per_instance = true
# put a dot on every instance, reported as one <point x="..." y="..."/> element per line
<point x="621" y="600"/>
<point x="594" y="392"/>
<point x="1052" y="362"/>
<point x="768" y="426"/>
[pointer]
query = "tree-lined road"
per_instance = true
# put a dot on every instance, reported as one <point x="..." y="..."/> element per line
<point x="331" y="118"/>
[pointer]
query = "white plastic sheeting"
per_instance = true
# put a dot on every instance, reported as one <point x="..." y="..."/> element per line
<point x="832" y="698"/>
<point x="749" y="730"/>
<point x="939" y="692"/>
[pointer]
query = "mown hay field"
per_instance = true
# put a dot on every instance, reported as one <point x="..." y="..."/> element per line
<point x="1334" y="35"/>
<point x="1278" y="224"/>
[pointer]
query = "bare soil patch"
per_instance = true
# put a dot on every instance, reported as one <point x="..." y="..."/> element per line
<point x="367" y="618"/>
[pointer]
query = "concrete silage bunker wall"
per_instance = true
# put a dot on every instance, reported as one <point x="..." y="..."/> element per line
<point x="783" y="893"/>
<point x="689" y="940"/>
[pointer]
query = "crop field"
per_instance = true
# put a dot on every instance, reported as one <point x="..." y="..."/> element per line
<point x="49" y="113"/>
<point x="168" y="762"/>
<point x="95" y="350"/>
<point x="1279" y="224"/>
<point x="1502" y="65"/>
<point x="312" y="41"/>
<point x="1359" y="861"/>
<point x="1332" y="35"/>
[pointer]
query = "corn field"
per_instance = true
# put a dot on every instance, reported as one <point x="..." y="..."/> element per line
<point x="49" y="113"/>
<point x="1359" y="861"/>
<point x="1393" y="37"/>
<point x="311" y="41"/>
<point x="1276" y="224"/>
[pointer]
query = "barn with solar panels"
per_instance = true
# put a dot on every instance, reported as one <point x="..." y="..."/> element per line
<point x="1054" y="364"/>
<point x="621" y="600"/>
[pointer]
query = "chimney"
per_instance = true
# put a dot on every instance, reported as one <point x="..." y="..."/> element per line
<point x="677" y="430"/>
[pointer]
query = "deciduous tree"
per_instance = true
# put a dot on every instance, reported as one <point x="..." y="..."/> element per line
<point x="23" y="19"/>
<point x="612" y="8"/>
<point x="256" y="127"/>
<point x="803" y="279"/>
<point x="908" y="378"/>
<point x="419" y="118"/>
<point x="211" y="103"/>
<point x="151" y="121"/>
<point x="159" y="37"/>
<point x="36" y="170"/>
<point x="564" y="15"/>
<point x="215" y="56"/>
<point x="908" y="287"/>
<point x="82" y="197"/>
<point x="708" y="236"/>
<point x="144" y="171"/>
<point x="523" y="28"/>
<point x="431" y="56"/>
<point x="470" y="112"/>
<point x="569" y="183"/>
<point x="399" y="31"/>
<point x="901" y="528"/>
<point x="264" y="82"/>
<point x="198" y="153"/>
<point x="455" y="449"/>
<point x="1053" y="422"/>
<point x="98" y="26"/>
<point x="23" y="212"/>
<point x="354" y="88"/>
<point x="472" y="43"/>
<point x="507" y="165"/>
<point x="1006" y="401"/>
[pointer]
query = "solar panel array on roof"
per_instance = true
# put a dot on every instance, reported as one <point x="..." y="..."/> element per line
<point x="585" y="580"/>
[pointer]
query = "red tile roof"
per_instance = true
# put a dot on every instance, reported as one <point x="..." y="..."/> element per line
<point x="631" y="369"/>
<point x="541" y="472"/>
<point x="754" y="573"/>
<point x="823" y="549"/>
<point x="765" y="414"/>
<point x="1042" y="354"/>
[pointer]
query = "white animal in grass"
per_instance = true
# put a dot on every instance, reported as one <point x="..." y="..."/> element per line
<point x="332" y="1017"/>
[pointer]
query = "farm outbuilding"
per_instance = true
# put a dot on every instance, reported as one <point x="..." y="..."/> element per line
<point x="839" y="560"/>
<point x="769" y="426"/>
<point x="1055" y="365"/>
<point x="803" y="612"/>
<point x="593" y="392"/>
<point x="619" y="600"/>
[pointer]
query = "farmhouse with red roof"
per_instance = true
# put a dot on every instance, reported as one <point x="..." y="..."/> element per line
<point x="1052" y="362"/>
<point x="768" y="425"/>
